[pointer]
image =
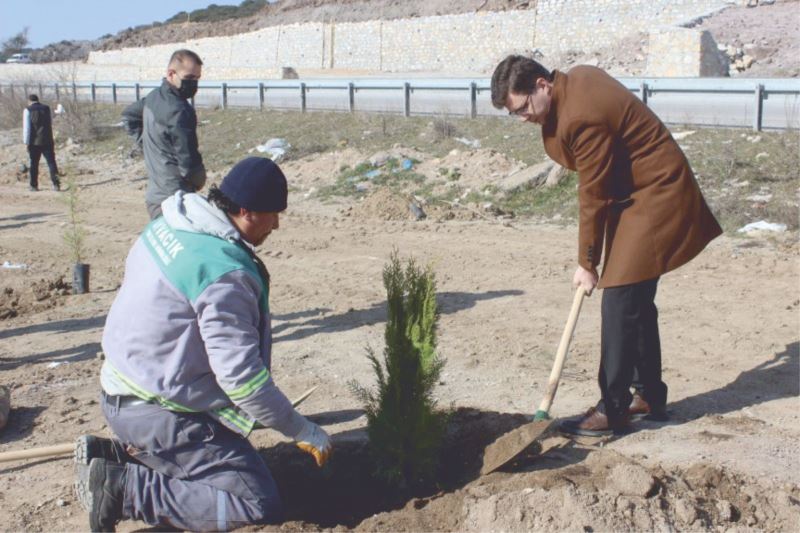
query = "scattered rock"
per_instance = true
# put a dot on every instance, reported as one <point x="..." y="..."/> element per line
<point x="379" y="159"/>
<point x="631" y="480"/>
<point x="760" y="198"/>
<point x="727" y="511"/>
<point x="416" y="211"/>
<point x="532" y="176"/>
<point x="680" y="135"/>
<point x="556" y="174"/>
<point x="685" y="511"/>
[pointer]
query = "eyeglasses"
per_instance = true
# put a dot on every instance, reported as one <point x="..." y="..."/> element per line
<point x="521" y="110"/>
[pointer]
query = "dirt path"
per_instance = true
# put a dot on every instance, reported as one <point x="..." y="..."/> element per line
<point x="728" y="457"/>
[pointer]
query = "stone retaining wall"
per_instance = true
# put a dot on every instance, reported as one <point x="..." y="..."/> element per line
<point x="445" y="45"/>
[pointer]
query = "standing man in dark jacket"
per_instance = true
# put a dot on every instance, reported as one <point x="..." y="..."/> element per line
<point x="166" y="124"/>
<point x="639" y="204"/>
<point x="37" y="133"/>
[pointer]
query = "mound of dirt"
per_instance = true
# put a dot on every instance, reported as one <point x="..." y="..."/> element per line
<point x="383" y="204"/>
<point x="319" y="169"/>
<point x="558" y="485"/>
<point x="471" y="169"/>
<point x="38" y="296"/>
<point x="560" y="496"/>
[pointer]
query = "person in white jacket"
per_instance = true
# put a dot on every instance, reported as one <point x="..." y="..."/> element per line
<point x="188" y="348"/>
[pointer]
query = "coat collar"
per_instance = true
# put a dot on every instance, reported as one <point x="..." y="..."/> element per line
<point x="557" y="97"/>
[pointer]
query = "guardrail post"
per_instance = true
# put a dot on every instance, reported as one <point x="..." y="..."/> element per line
<point x="224" y="96"/>
<point x="58" y="91"/>
<point x="24" y="90"/>
<point x="406" y="99"/>
<point x="94" y="93"/>
<point x="114" y="92"/>
<point x="137" y="91"/>
<point x="303" y="97"/>
<point x="759" y="107"/>
<point x="643" y="88"/>
<point x="74" y="92"/>
<point x="41" y="92"/>
<point x="351" y="97"/>
<point x="473" y="100"/>
<point x="261" y="96"/>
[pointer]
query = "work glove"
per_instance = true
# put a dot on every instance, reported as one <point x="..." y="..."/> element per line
<point x="313" y="439"/>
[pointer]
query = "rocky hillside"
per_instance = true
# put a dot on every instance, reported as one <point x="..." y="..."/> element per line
<point x="760" y="41"/>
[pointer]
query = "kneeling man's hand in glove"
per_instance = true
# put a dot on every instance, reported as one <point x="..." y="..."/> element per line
<point x="313" y="439"/>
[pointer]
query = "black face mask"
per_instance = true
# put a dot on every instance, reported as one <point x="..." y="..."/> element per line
<point x="187" y="89"/>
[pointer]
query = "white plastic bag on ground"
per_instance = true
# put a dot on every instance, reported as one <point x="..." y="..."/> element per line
<point x="762" y="225"/>
<point x="275" y="149"/>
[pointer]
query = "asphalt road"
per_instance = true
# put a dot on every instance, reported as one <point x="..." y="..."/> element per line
<point x="781" y="109"/>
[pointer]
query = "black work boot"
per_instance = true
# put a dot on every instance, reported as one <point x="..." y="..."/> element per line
<point x="88" y="447"/>
<point x="101" y="488"/>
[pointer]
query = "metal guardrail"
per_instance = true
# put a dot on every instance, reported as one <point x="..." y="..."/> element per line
<point x="646" y="88"/>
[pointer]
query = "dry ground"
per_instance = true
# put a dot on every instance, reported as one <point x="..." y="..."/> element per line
<point x="728" y="459"/>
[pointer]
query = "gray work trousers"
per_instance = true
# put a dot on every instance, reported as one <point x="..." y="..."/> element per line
<point x="195" y="474"/>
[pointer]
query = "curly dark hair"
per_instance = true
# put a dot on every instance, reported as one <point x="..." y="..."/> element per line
<point x="218" y="198"/>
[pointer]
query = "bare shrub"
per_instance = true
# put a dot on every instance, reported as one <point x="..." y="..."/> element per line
<point x="79" y="121"/>
<point x="11" y="107"/>
<point x="444" y="128"/>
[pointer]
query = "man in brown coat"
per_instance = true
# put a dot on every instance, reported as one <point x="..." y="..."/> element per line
<point x="638" y="196"/>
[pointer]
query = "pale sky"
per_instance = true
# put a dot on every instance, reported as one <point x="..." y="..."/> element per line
<point x="56" y="20"/>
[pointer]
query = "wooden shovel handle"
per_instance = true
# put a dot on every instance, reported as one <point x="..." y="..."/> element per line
<point x="69" y="447"/>
<point x="561" y="355"/>
<point x="34" y="453"/>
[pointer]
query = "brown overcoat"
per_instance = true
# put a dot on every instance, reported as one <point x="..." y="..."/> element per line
<point x="635" y="186"/>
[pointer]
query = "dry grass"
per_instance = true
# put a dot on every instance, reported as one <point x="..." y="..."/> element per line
<point x="730" y="167"/>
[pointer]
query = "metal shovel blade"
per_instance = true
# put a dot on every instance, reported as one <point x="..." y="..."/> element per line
<point x="508" y="446"/>
<point x="515" y="441"/>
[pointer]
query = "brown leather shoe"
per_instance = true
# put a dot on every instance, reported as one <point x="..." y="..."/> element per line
<point x="640" y="409"/>
<point x="594" y="424"/>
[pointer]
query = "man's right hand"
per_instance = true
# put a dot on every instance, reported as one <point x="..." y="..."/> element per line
<point x="312" y="439"/>
<point x="586" y="279"/>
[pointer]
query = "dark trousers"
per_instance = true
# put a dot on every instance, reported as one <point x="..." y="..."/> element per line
<point x="35" y="153"/>
<point x="630" y="353"/>
<point x="193" y="473"/>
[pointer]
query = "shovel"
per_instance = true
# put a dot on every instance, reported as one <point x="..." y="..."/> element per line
<point x="69" y="447"/>
<point x="508" y="446"/>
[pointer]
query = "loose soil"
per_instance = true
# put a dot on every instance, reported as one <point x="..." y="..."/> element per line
<point x="727" y="459"/>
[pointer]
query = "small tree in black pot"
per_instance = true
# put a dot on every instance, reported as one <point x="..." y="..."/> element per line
<point x="74" y="235"/>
